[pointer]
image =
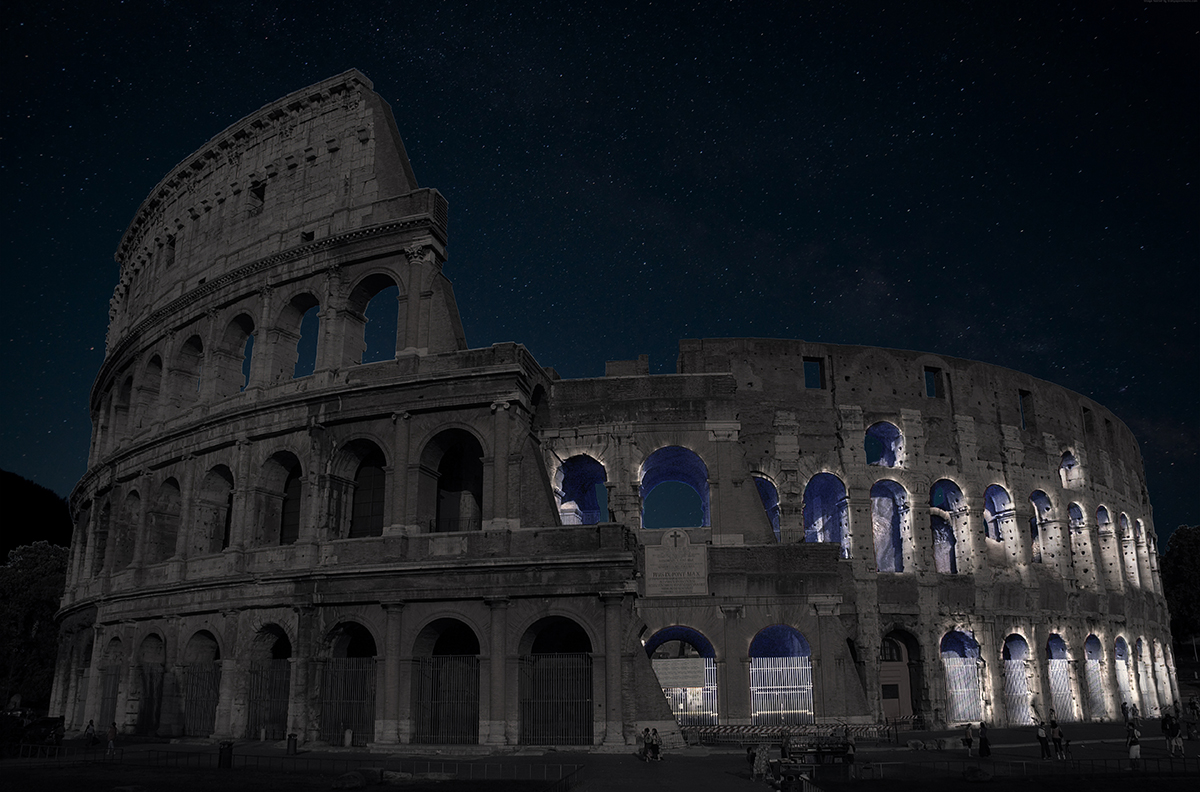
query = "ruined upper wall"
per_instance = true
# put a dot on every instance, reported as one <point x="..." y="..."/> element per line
<point x="318" y="162"/>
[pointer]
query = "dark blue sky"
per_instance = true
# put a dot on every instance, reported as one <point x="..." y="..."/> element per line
<point x="1013" y="185"/>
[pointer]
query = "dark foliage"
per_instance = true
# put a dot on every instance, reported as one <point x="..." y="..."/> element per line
<point x="31" y="586"/>
<point x="1180" y="571"/>
<point x="32" y="513"/>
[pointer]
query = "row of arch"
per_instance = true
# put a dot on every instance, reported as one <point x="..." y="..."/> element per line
<point x="144" y="693"/>
<point x="242" y="353"/>
<point x="149" y="524"/>
<point x="1128" y="552"/>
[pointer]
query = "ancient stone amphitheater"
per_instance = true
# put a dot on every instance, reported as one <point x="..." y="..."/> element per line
<point x="311" y="509"/>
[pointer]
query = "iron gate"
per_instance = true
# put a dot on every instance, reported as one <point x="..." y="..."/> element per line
<point x="692" y="705"/>
<point x="1060" y="690"/>
<point x="267" y="699"/>
<point x="446" y="700"/>
<point x="781" y="691"/>
<point x="110" y="687"/>
<point x="1095" y="684"/>
<point x="201" y="690"/>
<point x="555" y="693"/>
<point x="964" y="701"/>
<point x="151" y="698"/>
<point x="1016" y="694"/>
<point x="348" y="700"/>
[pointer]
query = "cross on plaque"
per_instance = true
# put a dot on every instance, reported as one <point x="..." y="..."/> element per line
<point x="675" y="535"/>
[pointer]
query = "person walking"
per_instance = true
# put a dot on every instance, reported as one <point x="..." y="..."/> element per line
<point x="655" y="745"/>
<point x="112" y="740"/>
<point x="1125" y="711"/>
<point x="968" y="738"/>
<point x="90" y="733"/>
<point x="1133" y="738"/>
<point x="1042" y="740"/>
<point x="644" y="745"/>
<point x="985" y="745"/>
<point x="1056" y="734"/>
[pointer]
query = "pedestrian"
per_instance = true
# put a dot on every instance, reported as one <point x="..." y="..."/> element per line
<point x="1125" y="711"/>
<point x="1133" y="739"/>
<point x="985" y="745"/>
<point x="1174" y="738"/>
<point x="655" y="745"/>
<point x="968" y="737"/>
<point x="1133" y="715"/>
<point x="1165" y="725"/>
<point x="1042" y="741"/>
<point x="644" y="745"/>
<point x="90" y="733"/>
<point x="1056" y="734"/>
<point x="785" y="748"/>
<point x="112" y="740"/>
<point x="750" y="760"/>
<point x="762" y="757"/>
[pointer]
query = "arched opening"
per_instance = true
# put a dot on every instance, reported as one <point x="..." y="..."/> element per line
<point x="685" y="663"/>
<point x="368" y="494"/>
<point x="884" y="445"/>
<point x="583" y="497"/>
<point x="269" y="686"/>
<point x="162" y="529"/>
<point x="889" y="525"/>
<point x="1017" y="701"/>
<point x="1041" y="510"/>
<point x="201" y="681"/>
<point x="1069" y="471"/>
<point x="781" y="683"/>
<point x="214" y="512"/>
<point x="152" y="656"/>
<point x="1128" y="551"/>
<point x="112" y="668"/>
<point x="100" y="538"/>
<point x="768" y="493"/>
<point x="348" y="686"/>
<point x="964" y="690"/>
<point x="1060" y="679"/>
<point x="1082" y="554"/>
<point x="188" y="369"/>
<point x="674" y="489"/>
<point x="234" y="355"/>
<point x="1093" y="668"/>
<point x="1144" y="670"/>
<point x="900" y="675"/>
<point x="282" y="495"/>
<point x="126" y="531"/>
<point x="946" y="506"/>
<point x="377" y="296"/>
<point x="450" y="488"/>
<point x="446" y="684"/>
<point x="554" y="684"/>
<point x="1124" y="673"/>
<point x="997" y="512"/>
<point x="827" y="512"/>
<point x="308" y="340"/>
<point x="148" y="391"/>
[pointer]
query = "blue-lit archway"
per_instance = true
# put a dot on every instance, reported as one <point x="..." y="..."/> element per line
<point x="685" y="663"/>
<point x="781" y="683"/>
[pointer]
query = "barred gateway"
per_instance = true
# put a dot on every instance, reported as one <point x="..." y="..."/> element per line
<point x="310" y="508"/>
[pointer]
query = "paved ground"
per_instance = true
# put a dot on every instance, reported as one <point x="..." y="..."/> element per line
<point x="1097" y="753"/>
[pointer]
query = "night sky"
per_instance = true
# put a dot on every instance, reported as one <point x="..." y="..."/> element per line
<point x="1011" y="186"/>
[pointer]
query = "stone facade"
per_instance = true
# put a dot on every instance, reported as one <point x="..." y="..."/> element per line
<point x="454" y="545"/>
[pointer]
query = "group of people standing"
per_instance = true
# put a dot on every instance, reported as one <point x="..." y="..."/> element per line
<point x="968" y="740"/>
<point x="651" y="746"/>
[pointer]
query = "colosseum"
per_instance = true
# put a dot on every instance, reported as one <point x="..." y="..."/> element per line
<point x="310" y="508"/>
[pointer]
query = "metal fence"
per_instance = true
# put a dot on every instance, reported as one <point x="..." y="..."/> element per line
<point x="348" y="700"/>
<point x="1094" y="674"/>
<point x="269" y="682"/>
<point x="1030" y="768"/>
<point x="555" y="692"/>
<point x="201" y="690"/>
<point x="1060" y="689"/>
<point x="446" y="700"/>
<point x="964" y="697"/>
<point x="781" y="691"/>
<point x="1016" y="694"/>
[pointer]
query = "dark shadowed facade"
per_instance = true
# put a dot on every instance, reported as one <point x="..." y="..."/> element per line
<point x="310" y="508"/>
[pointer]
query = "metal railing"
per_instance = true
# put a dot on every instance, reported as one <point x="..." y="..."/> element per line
<point x="1029" y="767"/>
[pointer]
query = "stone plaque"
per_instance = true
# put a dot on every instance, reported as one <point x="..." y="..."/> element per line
<point x="676" y="568"/>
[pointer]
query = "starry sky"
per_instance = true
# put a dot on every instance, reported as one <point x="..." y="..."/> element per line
<point x="1007" y="182"/>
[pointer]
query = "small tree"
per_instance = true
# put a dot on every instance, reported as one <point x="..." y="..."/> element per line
<point x="31" y="586"/>
<point x="1180" y="571"/>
